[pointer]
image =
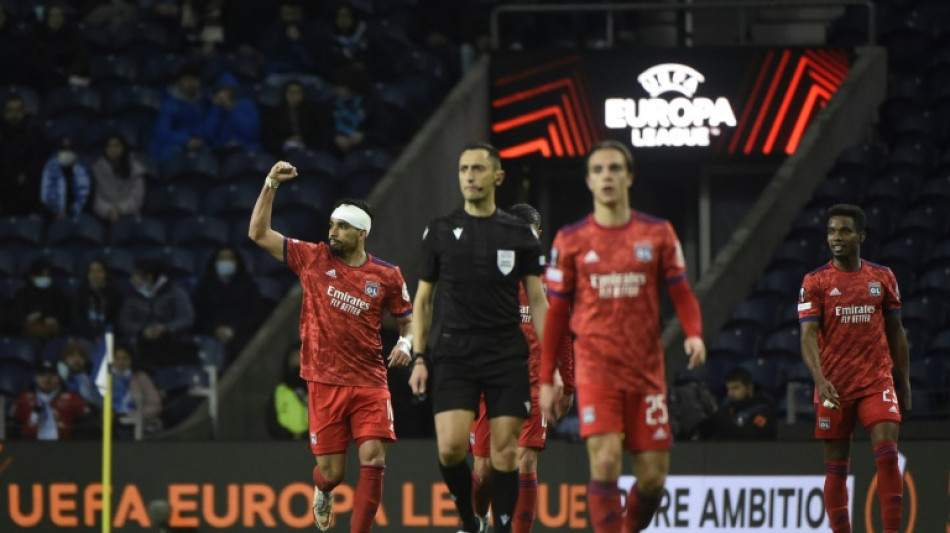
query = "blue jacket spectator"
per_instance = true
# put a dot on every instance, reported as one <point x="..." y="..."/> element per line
<point x="179" y="122"/>
<point x="232" y="121"/>
<point x="66" y="183"/>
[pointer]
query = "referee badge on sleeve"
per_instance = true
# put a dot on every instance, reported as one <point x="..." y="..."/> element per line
<point x="506" y="261"/>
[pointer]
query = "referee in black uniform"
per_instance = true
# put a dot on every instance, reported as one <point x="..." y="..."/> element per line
<point x="479" y="254"/>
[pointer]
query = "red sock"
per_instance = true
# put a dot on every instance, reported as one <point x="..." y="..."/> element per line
<point x="527" y="503"/>
<point x="836" y="496"/>
<point x="481" y="495"/>
<point x="603" y="501"/>
<point x="322" y="483"/>
<point x="369" y="492"/>
<point x="890" y="485"/>
<point x="640" y="510"/>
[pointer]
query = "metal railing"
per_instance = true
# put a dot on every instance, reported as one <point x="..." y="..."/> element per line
<point x="687" y="7"/>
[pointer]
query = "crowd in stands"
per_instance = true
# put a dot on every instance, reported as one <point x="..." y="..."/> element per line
<point x="133" y="141"/>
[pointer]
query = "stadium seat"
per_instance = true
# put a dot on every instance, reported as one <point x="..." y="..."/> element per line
<point x="134" y="101"/>
<point x="62" y="262"/>
<point x="910" y="248"/>
<point x="936" y="189"/>
<point x="21" y="231"/>
<point x="161" y="69"/>
<point x="300" y="225"/>
<point x="178" y="263"/>
<point x="787" y="315"/>
<point x="894" y="185"/>
<point x="94" y="134"/>
<point x="132" y="231"/>
<point x="917" y="127"/>
<point x="142" y="40"/>
<point x="200" y="169"/>
<point x="272" y="288"/>
<point x="233" y="202"/>
<point x="784" y="284"/>
<point x="783" y="343"/>
<point x="923" y="311"/>
<point x="363" y="160"/>
<point x="118" y="261"/>
<point x="838" y="188"/>
<point x="802" y="254"/>
<point x="31" y="99"/>
<point x="107" y="71"/>
<point x="200" y="231"/>
<point x="935" y="281"/>
<point x="767" y="374"/>
<point x="918" y="339"/>
<point x="739" y="342"/>
<point x="247" y="166"/>
<point x="313" y="164"/>
<point x="64" y="128"/>
<point x="881" y="219"/>
<point x="17" y="349"/>
<point x="180" y="376"/>
<point x="866" y="159"/>
<point x="52" y="350"/>
<point x="758" y="311"/>
<point x="211" y="351"/>
<point x="15" y="377"/>
<point x="7" y="264"/>
<point x="79" y="231"/>
<point x="310" y="196"/>
<point x="172" y="201"/>
<point x="924" y="218"/>
<point x="81" y="103"/>
<point x="914" y="155"/>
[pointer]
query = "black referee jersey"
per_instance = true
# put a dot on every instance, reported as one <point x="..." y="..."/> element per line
<point x="478" y="263"/>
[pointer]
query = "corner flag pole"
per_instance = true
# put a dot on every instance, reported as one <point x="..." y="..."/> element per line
<point x="104" y="383"/>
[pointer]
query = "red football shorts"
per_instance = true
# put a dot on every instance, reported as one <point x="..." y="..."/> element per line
<point x="534" y="433"/>
<point x="642" y="419"/>
<point x="339" y="413"/>
<point x="870" y="410"/>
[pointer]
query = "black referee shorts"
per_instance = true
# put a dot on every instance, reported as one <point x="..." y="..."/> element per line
<point x="469" y="363"/>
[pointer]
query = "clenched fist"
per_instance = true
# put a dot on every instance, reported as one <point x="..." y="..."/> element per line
<point x="282" y="171"/>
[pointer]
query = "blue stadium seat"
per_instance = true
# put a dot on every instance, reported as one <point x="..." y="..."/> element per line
<point x="782" y="283"/>
<point x="8" y="266"/>
<point x="135" y="101"/>
<point x="200" y="169"/>
<point x="881" y="219"/>
<point x="180" y="376"/>
<point x="914" y="155"/>
<point x="233" y="202"/>
<point x="300" y="225"/>
<point x="924" y="311"/>
<point x="313" y="164"/>
<point x="142" y="40"/>
<point x="767" y="373"/>
<point x="161" y="69"/>
<point x="81" y="103"/>
<point x="52" y="350"/>
<point x="272" y="289"/>
<point x="365" y="160"/>
<point x="935" y="281"/>
<point x="21" y="231"/>
<point x="758" y="311"/>
<point x="17" y="349"/>
<point x="908" y="46"/>
<point x="249" y="166"/>
<point x="112" y="70"/>
<point x="62" y="262"/>
<point x="783" y="343"/>
<point x="940" y="344"/>
<point x="172" y="201"/>
<point x="200" y="231"/>
<point x="918" y="339"/>
<point x="211" y="351"/>
<point x="740" y="342"/>
<point x="63" y="128"/>
<point x="839" y="188"/>
<point x="936" y="189"/>
<point x="132" y="231"/>
<point x="803" y="253"/>
<point x="894" y="185"/>
<point x="9" y="286"/>
<point x="866" y="159"/>
<point x="178" y="263"/>
<point x="906" y="274"/>
<point x="909" y="248"/>
<point x="94" y="134"/>
<point x="787" y="315"/>
<point x="924" y="218"/>
<point x="79" y="231"/>
<point x="15" y="378"/>
<point x="808" y="222"/>
<point x="919" y="127"/>
<point x="119" y="261"/>
<point x="308" y="196"/>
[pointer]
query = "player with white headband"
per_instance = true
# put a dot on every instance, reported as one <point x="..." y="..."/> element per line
<point x="345" y="291"/>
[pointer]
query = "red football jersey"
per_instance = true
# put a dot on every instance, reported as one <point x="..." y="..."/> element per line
<point x="534" y="347"/>
<point x="342" y="312"/>
<point x="613" y="277"/>
<point x="849" y="308"/>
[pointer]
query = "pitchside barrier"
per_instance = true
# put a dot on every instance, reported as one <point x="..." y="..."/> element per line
<point x="266" y="487"/>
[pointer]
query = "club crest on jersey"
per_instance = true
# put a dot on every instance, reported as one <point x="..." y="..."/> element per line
<point x="372" y="288"/>
<point x="874" y="287"/>
<point x="506" y="261"/>
<point x="824" y="422"/>
<point x="644" y="251"/>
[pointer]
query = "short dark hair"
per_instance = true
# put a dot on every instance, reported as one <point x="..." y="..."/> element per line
<point x="739" y="373"/>
<point x="150" y="267"/>
<point x="356" y="203"/>
<point x="526" y="212"/>
<point x="849" y="210"/>
<point x="482" y="145"/>
<point x="610" y="144"/>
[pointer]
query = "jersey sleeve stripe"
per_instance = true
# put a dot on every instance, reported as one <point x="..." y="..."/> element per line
<point x="808" y="319"/>
<point x="400" y="315"/>
<point x="558" y="294"/>
<point x="676" y="279"/>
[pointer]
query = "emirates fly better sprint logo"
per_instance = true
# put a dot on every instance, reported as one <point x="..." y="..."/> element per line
<point x="678" y="121"/>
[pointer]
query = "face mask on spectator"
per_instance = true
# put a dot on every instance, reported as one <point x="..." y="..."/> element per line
<point x="42" y="282"/>
<point x="66" y="158"/>
<point x="225" y="268"/>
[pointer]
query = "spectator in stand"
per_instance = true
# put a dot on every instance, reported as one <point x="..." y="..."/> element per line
<point x="183" y="112"/>
<point x="40" y="308"/>
<point x="120" y="181"/>
<point x="296" y="124"/>
<point x="59" y="52"/>
<point x="348" y="39"/>
<point x="350" y="108"/>
<point x="287" y="416"/>
<point x="289" y="44"/>
<point x="47" y="411"/>
<point x="132" y="388"/>
<point x="746" y="413"/>
<point x="158" y="316"/>
<point x="76" y="372"/>
<point x="96" y="302"/>
<point x="227" y="301"/>
<point x="66" y="183"/>
<point x="23" y="149"/>
<point x="233" y="122"/>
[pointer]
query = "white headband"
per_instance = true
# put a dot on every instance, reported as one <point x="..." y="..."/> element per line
<point x="353" y="216"/>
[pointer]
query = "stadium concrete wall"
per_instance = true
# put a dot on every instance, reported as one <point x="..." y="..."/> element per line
<point x="266" y="487"/>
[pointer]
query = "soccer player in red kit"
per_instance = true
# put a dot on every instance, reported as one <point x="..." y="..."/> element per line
<point x="345" y="291"/>
<point x="534" y="432"/>
<point x="604" y="279"/>
<point x="851" y="335"/>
